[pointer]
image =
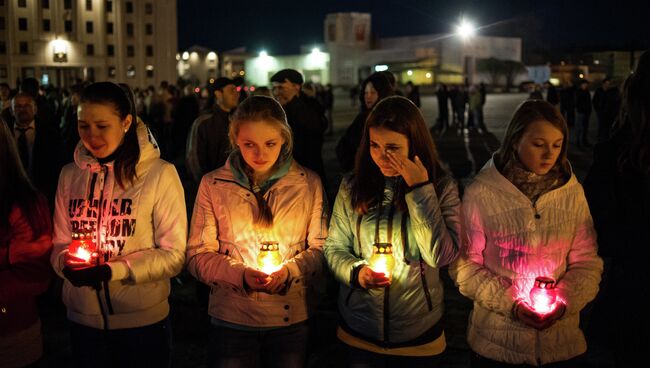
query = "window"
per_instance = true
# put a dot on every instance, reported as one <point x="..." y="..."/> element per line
<point x="149" y="50"/>
<point x="45" y="4"/>
<point x="23" y="48"/>
<point x="149" y="69"/>
<point x="148" y="8"/>
<point x="130" y="51"/>
<point x="110" y="50"/>
<point x="2" y="23"/>
<point x="22" y="3"/>
<point x="89" y="5"/>
<point x="90" y="49"/>
<point x="129" y="7"/>
<point x="130" y="71"/>
<point x="129" y="29"/>
<point x="111" y="72"/>
<point x="3" y="48"/>
<point x="89" y="27"/>
<point x="109" y="6"/>
<point x="109" y="27"/>
<point x="67" y="4"/>
<point x="46" y="25"/>
<point x="22" y="24"/>
<point x="68" y="26"/>
<point x="148" y="29"/>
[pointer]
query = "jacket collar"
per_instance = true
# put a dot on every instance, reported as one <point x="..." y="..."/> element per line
<point x="291" y="173"/>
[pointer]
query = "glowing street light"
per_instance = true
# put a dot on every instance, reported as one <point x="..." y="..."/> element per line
<point x="264" y="54"/>
<point x="465" y="29"/>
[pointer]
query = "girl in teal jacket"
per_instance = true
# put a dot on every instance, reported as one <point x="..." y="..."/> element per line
<point x="400" y="207"/>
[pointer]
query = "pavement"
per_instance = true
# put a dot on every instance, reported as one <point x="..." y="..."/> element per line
<point x="463" y="155"/>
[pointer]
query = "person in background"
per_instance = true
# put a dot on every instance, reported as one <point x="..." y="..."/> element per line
<point x="25" y="246"/>
<point x="606" y="102"/>
<point x="376" y="87"/>
<point x="525" y="216"/>
<point x="552" y="95"/>
<point x="442" y="95"/>
<point x="398" y="198"/>
<point x="413" y="93"/>
<point x="568" y="104"/>
<point x="261" y="198"/>
<point x="131" y="205"/>
<point x="69" y="131"/>
<point x="583" y="114"/>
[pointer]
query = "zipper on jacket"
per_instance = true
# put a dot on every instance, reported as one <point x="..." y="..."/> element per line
<point x="386" y="315"/>
<point x="104" y="285"/>
<point x="425" y="285"/>
<point x="538" y="349"/>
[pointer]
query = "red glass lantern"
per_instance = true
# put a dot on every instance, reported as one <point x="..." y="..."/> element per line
<point x="543" y="296"/>
<point x="83" y="247"/>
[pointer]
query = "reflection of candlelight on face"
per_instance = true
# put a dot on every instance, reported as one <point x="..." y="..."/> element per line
<point x="382" y="259"/>
<point x="268" y="259"/>
<point x="542" y="295"/>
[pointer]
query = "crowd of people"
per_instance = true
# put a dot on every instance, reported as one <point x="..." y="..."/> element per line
<point x="88" y="198"/>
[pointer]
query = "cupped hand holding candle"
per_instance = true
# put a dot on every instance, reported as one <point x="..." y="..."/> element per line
<point x="369" y="279"/>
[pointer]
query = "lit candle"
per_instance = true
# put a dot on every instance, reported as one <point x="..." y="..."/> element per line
<point x="82" y="246"/>
<point x="542" y="295"/>
<point x="382" y="259"/>
<point x="269" y="259"/>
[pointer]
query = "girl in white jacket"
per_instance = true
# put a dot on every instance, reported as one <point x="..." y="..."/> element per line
<point x="261" y="203"/>
<point x="132" y="204"/>
<point x="525" y="216"/>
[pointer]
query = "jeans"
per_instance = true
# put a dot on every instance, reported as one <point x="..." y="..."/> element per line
<point x="284" y="347"/>
<point x="148" y="346"/>
<point x="582" y="128"/>
<point x="365" y="359"/>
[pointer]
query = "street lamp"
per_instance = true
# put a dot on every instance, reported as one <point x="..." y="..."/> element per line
<point x="466" y="30"/>
<point x="60" y="50"/>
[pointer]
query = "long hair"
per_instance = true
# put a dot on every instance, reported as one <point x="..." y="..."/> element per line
<point x="527" y="113"/>
<point x="380" y="83"/>
<point x="635" y="116"/>
<point x="268" y="110"/>
<point x="121" y="99"/>
<point x="17" y="190"/>
<point x="400" y="115"/>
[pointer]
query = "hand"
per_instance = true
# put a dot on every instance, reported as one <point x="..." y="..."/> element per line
<point x="255" y="280"/>
<point x="73" y="262"/>
<point x="413" y="172"/>
<point x="369" y="279"/>
<point x="526" y="315"/>
<point x="277" y="280"/>
<point x="88" y="276"/>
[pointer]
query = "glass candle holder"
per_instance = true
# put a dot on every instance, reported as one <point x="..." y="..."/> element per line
<point x="382" y="259"/>
<point x="543" y="295"/>
<point x="268" y="258"/>
<point x="82" y="246"/>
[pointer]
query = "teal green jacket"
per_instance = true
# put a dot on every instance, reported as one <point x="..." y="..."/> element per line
<point x="423" y="240"/>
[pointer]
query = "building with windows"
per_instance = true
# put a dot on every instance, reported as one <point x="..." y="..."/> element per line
<point x="62" y="41"/>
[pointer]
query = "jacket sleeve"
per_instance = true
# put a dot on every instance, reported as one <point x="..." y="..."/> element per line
<point x="28" y="271"/>
<point x="473" y="279"/>
<point x="339" y="246"/>
<point x="169" y="220"/>
<point x="204" y="261"/>
<point x="435" y="223"/>
<point x="62" y="232"/>
<point x="310" y="262"/>
<point x="579" y="284"/>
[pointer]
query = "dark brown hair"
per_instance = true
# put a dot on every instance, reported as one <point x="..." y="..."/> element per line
<point x="17" y="190"/>
<point x="268" y="110"/>
<point x="527" y="113"/>
<point x="121" y="99"/>
<point x="635" y="116"/>
<point x="400" y="115"/>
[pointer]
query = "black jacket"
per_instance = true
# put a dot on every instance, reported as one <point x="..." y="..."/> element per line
<point x="308" y="125"/>
<point x="208" y="144"/>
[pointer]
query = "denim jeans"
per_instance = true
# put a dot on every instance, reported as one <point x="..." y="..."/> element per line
<point x="284" y="347"/>
<point x="148" y="346"/>
<point x="582" y="128"/>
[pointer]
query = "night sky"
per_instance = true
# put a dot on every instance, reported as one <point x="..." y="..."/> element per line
<point x="282" y="26"/>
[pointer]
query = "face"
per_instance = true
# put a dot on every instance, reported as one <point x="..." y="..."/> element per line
<point x="4" y="92"/>
<point x="540" y="146"/>
<point x="100" y="128"/>
<point x="370" y="95"/>
<point x="384" y="140"/>
<point x="260" y="143"/>
<point x="285" y="92"/>
<point x="228" y="98"/>
<point x="24" y="109"/>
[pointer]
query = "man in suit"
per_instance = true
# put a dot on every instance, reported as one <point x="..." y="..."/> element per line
<point x="38" y="144"/>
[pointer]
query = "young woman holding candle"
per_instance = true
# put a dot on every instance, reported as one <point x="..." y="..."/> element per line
<point x="260" y="202"/>
<point x="525" y="217"/>
<point x="25" y="245"/>
<point x="132" y="205"/>
<point x="398" y="207"/>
